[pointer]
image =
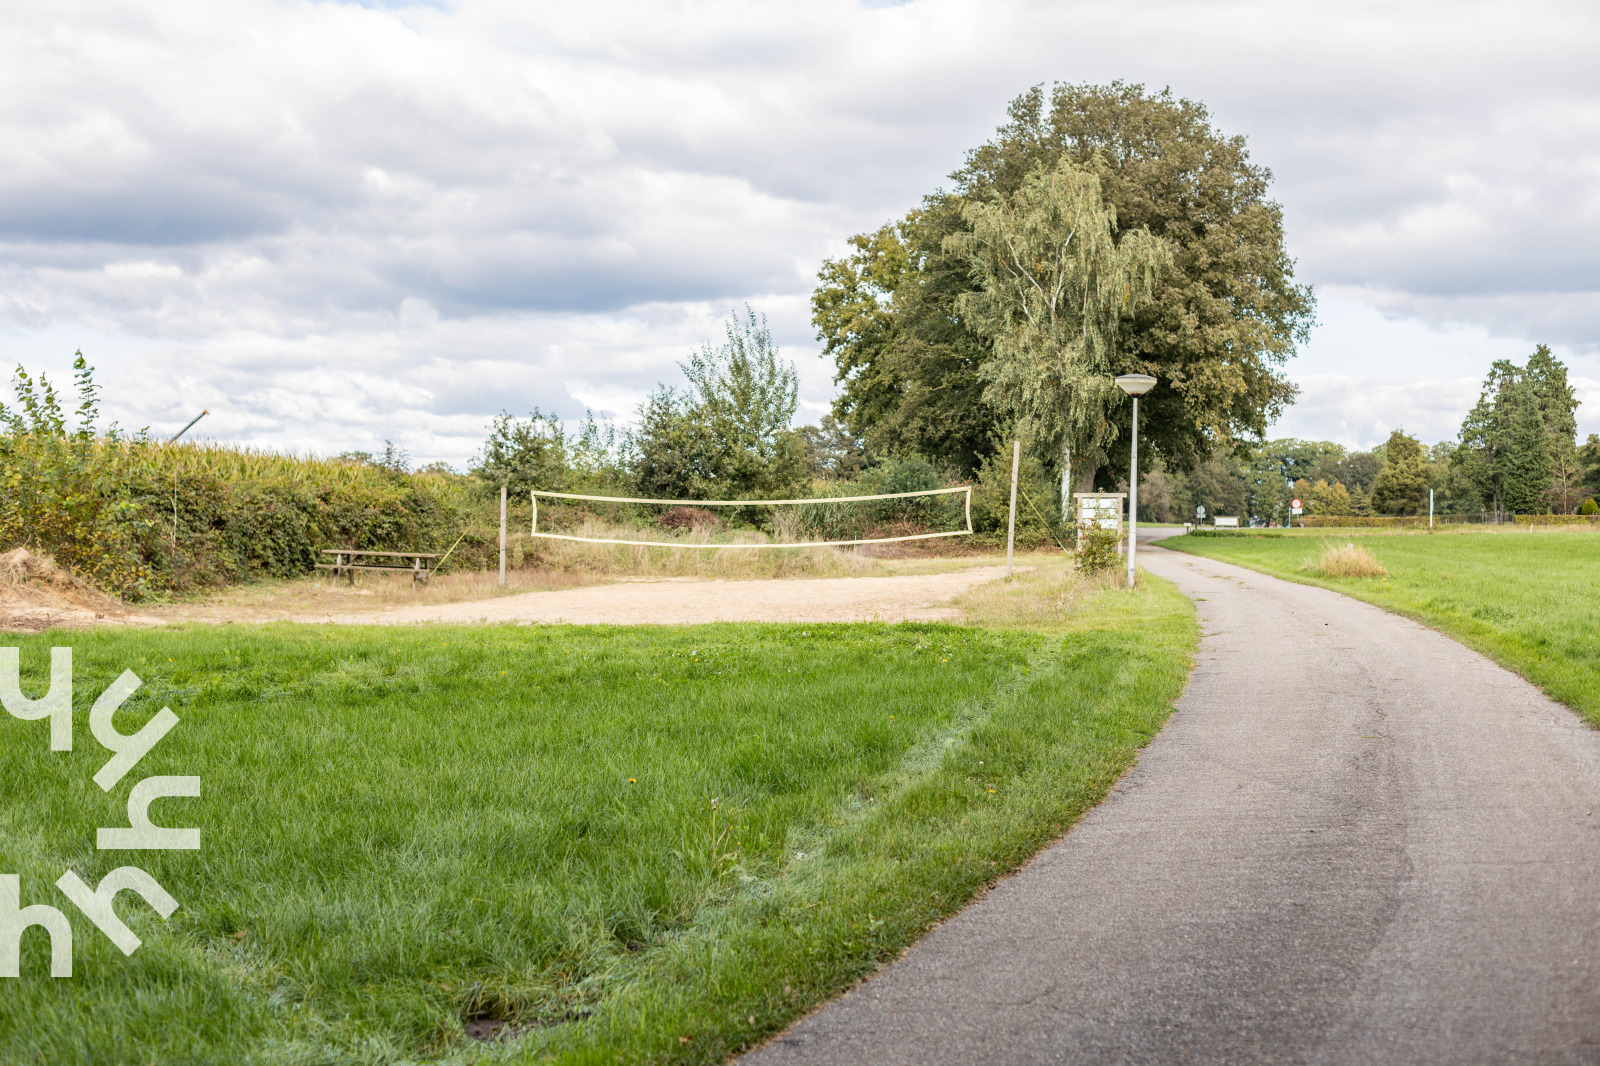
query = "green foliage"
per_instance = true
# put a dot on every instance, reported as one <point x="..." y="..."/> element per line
<point x="1052" y="287"/>
<point x="412" y="827"/>
<point x="727" y="435"/>
<point x="1096" y="548"/>
<point x="832" y="452"/>
<point x="1517" y="435"/>
<point x="887" y="316"/>
<point x="141" y="518"/>
<point x="1401" y="487"/>
<point x="1038" y="514"/>
<point x="912" y="473"/>
<point x="538" y="453"/>
<point x="1223" y="317"/>
<point x="1589" y="507"/>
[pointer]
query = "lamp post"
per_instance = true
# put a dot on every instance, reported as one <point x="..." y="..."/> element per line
<point x="1135" y="385"/>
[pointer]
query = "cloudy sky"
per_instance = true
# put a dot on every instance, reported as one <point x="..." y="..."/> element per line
<point x="333" y="223"/>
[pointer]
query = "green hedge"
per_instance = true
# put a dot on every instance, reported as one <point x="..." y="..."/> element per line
<point x="141" y="519"/>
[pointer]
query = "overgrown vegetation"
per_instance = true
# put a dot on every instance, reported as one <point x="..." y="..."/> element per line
<point x="140" y="517"/>
<point x="408" y="830"/>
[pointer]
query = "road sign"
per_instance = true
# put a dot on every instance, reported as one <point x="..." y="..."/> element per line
<point x="1199" y="512"/>
<point x="1295" y="504"/>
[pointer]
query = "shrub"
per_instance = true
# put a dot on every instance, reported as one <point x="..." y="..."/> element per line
<point x="1038" y="516"/>
<point x="1097" y="548"/>
<point x="1589" y="507"/>
<point x="1348" y="561"/>
<point x="696" y="518"/>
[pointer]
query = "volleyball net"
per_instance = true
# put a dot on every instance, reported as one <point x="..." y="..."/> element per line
<point x="820" y="522"/>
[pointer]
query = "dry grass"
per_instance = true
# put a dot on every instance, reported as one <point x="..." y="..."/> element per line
<point x="1347" y="561"/>
<point x="1047" y="591"/>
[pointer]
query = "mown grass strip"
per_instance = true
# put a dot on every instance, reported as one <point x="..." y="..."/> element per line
<point x="406" y="830"/>
<point x="1530" y="601"/>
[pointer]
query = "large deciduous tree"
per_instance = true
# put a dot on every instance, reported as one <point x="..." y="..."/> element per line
<point x="1224" y="315"/>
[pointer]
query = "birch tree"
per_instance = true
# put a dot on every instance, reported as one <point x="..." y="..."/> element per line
<point x="1052" y="285"/>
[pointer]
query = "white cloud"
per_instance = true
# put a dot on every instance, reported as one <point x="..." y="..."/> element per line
<point x="333" y="223"/>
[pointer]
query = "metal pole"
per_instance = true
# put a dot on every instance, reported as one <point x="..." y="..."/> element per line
<point x="502" y="536"/>
<point x="1011" y="522"/>
<point x="1133" y="493"/>
<point x="1430" y="508"/>
<point x="172" y="439"/>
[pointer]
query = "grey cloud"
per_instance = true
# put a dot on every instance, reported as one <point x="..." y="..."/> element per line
<point x="258" y="189"/>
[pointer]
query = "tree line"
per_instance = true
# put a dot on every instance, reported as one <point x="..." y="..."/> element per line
<point x="1102" y="230"/>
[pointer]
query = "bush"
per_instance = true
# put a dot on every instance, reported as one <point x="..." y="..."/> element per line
<point x="1097" y="548"/>
<point x="1038" y="516"/>
<point x="1589" y="507"/>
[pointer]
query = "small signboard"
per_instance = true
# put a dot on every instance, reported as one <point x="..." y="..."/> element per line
<point x="1103" y="509"/>
<point x="1294" y="507"/>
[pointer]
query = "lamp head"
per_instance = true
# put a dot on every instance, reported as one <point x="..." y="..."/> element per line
<point x="1135" y="384"/>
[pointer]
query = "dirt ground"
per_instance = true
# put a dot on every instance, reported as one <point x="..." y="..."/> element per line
<point x="35" y="595"/>
<point x="689" y="601"/>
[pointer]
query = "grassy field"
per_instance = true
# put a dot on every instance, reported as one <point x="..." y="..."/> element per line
<point x="634" y="845"/>
<point x="1531" y="601"/>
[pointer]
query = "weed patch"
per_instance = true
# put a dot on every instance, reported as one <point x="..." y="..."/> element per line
<point x="1345" y="561"/>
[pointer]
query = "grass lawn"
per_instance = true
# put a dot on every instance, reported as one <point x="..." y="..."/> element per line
<point x="405" y="830"/>
<point x="1530" y="601"/>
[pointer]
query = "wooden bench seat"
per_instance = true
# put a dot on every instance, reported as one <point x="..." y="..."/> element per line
<point x="347" y="561"/>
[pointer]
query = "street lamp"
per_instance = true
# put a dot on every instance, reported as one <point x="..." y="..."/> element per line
<point x="1135" y="385"/>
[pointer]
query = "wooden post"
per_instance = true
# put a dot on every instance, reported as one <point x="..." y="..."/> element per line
<point x="1011" y="522"/>
<point x="502" y="536"/>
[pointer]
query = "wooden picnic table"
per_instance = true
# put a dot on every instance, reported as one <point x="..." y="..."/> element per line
<point x="348" y="560"/>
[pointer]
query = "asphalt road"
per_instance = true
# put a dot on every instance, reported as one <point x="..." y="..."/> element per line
<point x="1355" y="842"/>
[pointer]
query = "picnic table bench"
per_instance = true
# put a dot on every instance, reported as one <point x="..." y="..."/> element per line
<point x="348" y="561"/>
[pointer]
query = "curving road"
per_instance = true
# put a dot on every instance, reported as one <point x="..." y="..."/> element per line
<point x="1355" y="842"/>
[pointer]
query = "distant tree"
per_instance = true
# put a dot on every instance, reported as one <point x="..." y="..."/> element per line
<point x="1401" y="487"/>
<point x="832" y="452"/>
<point x="1328" y="499"/>
<point x="1567" y="490"/>
<point x="1522" y="424"/>
<point x="1522" y="468"/>
<point x="1053" y="285"/>
<point x="1589" y="458"/>
<point x="727" y="435"/>
<point x="1224" y="315"/>
<point x="537" y="452"/>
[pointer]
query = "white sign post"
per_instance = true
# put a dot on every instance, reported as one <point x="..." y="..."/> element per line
<point x="1294" y="509"/>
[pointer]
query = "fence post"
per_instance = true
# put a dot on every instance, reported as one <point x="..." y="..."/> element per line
<point x="1011" y="522"/>
<point x="502" y="536"/>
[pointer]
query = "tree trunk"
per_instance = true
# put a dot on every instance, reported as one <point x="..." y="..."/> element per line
<point x="1066" y="483"/>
